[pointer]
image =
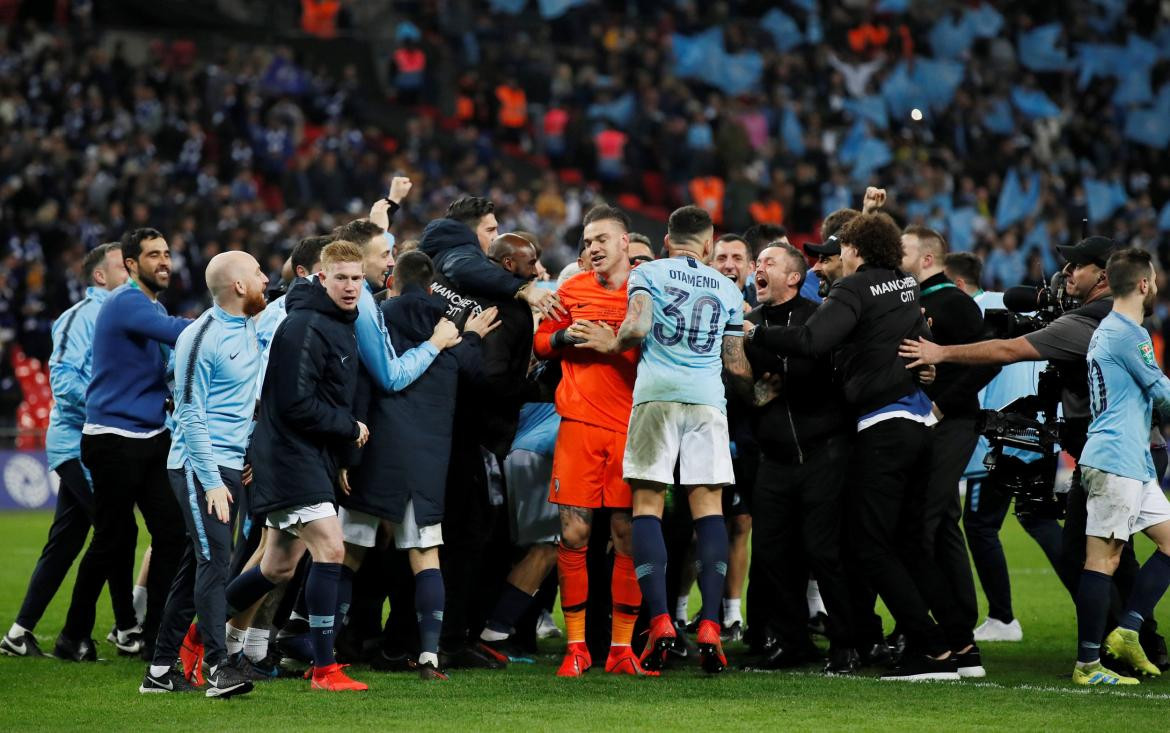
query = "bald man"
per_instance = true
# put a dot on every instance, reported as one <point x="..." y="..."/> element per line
<point x="216" y="362"/>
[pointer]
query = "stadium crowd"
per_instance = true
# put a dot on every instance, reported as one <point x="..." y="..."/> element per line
<point x="439" y="424"/>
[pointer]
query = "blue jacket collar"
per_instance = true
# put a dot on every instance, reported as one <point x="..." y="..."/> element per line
<point x="96" y="294"/>
<point x="222" y="315"/>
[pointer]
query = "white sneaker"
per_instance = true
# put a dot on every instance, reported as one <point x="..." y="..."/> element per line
<point x="546" y="628"/>
<point x="996" y="630"/>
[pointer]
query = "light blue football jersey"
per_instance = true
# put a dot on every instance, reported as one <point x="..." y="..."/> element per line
<point x="1124" y="383"/>
<point x="682" y="356"/>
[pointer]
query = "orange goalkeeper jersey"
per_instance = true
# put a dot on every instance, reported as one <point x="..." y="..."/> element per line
<point x="597" y="389"/>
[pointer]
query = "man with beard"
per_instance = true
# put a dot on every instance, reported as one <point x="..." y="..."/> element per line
<point x="216" y="360"/>
<point x="1118" y="473"/>
<point x="124" y="443"/>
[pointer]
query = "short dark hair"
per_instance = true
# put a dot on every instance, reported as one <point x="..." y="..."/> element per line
<point x="730" y="237"/>
<point x="601" y="212"/>
<point x="308" y="252"/>
<point x="358" y="231"/>
<point x="470" y="209"/>
<point x="96" y="258"/>
<point x="926" y="234"/>
<point x="761" y="236"/>
<point x="133" y="239"/>
<point x="836" y="220"/>
<point x="965" y="265"/>
<point x="1125" y="267"/>
<point x="640" y="239"/>
<point x="414" y="268"/>
<point x="799" y="261"/>
<point x="877" y="239"/>
<point x="687" y="223"/>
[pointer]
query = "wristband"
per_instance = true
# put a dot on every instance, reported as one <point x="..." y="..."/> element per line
<point x="560" y="339"/>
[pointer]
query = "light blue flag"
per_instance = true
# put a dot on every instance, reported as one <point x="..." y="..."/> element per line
<point x="808" y="6"/>
<point x="900" y="93"/>
<point x="741" y="72"/>
<point x="792" y="132"/>
<point x="1015" y="201"/>
<point x="850" y="146"/>
<point x="951" y="38"/>
<point x="872" y="155"/>
<point x="872" y="108"/>
<point x="1038" y="240"/>
<point x="892" y="6"/>
<point x="1038" y="52"/>
<point x="938" y="79"/>
<point x="1133" y="88"/>
<point x="1103" y="198"/>
<point x="693" y="54"/>
<point x="1098" y="60"/>
<point x="986" y="21"/>
<point x="1034" y="104"/>
<point x="511" y="7"/>
<point x="998" y="118"/>
<point x="618" y="111"/>
<point x="1149" y="127"/>
<point x="1164" y="218"/>
<point x="783" y="29"/>
<point x="961" y="229"/>
<point x="550" y="9"/>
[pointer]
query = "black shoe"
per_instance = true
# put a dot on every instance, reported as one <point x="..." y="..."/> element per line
<point x="430" y="673"/>
<point x="818" y="623"/>
<point x="298" y="648"/>
<point x="24" y="645"/>
<point x="75" y="651"/>
<point x="683" y="644"/>
<point x="897" y="644"/>
<point x="468" y="657"/>
<point x="878" y="654"/>
<point x="734" y="632"/>
<point x="1153" y="644"/>
<point x="783" y="657"/>
<point x="385" y="661"/>
<point x="843" y="661"/>
<point x="129" y="643"/>
<point x="920" y="667"/>
<point x="172" y="681"/>
<point x="969" y="663"/>
<point x="226" y="680"/>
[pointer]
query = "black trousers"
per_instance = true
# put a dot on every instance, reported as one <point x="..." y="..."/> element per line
<point x="125" y="472"/>
<point x="204" y="571"/>
<point x="71" y="522"/>
<point x="985" y="509"/>
<point x="887" y="496"/>
<point x="468" y="522"/>
<point x="951" y="594"/>
<point x="797" y="517"/>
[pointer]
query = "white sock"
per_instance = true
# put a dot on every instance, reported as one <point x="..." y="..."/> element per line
<point x="158" y="670"/>
<point x="139" y="601"/>
<point x="731" y="611"/>
<point x="813" y="596"/>
<point x="16" y="631"/>
<point x="680" y="610"/>
<point x="428" y="657"/>
<point x="294" y="616"/>
<point x="234" y="639"/>
<point x="255" y="644"/>
<point x="489" y="635"/>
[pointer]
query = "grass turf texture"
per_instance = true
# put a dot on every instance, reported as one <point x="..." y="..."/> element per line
<point x="1027" y="687"/>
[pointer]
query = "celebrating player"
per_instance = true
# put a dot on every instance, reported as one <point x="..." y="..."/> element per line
<point x="689" y="320"/>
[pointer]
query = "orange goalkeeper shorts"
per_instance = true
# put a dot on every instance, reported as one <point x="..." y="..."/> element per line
<point x="587" y="467"/>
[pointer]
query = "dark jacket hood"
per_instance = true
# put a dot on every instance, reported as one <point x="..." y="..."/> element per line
<point x="414" y="313"/>
<point x="441" y="235"/>
<point x="313" y="297"/>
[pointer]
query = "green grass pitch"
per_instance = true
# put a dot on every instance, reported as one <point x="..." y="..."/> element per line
<point x="1027" y="687"/>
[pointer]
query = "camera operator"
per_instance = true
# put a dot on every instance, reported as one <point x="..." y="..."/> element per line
<point x="989" y="493"/>
<point x="954" y="318"/>
<point x="1064" y="343"/>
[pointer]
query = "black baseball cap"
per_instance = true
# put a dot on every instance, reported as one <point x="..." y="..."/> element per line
<point x="831" y="246"/>
<point x="1089" y="251"/>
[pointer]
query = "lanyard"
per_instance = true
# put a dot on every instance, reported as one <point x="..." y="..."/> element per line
<point x="935" y="288"/>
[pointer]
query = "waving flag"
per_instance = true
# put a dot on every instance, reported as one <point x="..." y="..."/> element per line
<point x="1038" y="51"/>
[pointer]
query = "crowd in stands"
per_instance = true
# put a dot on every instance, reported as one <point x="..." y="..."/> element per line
<point x="1030" y="121"/>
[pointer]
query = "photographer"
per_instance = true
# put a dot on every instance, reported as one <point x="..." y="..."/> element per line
<point x="1064" y="343"/>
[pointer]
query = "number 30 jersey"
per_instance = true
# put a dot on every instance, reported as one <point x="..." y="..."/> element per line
<point x="682" y="356"/>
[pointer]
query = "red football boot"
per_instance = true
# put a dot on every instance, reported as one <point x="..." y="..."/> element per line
<point x="710" y="647"/>
<point x="662" y="638"/>
<point x="333" y="679"/>
<point x="622" y="660"/>
<point x="576" y="660"/>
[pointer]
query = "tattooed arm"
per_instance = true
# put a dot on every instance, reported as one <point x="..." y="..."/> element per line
<point x="737" y="368"/>
<point x="639" y="316"/>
